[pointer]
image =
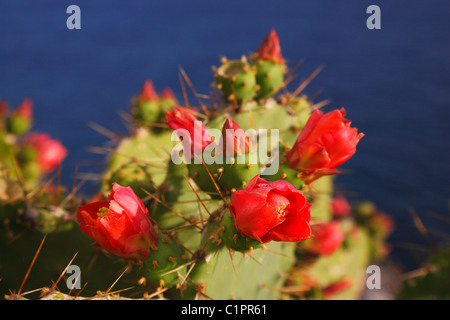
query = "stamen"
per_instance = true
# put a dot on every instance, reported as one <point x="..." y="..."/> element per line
<point x="102" y="212"/>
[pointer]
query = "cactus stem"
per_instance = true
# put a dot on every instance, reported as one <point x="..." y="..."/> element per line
<point x="174" y="211"/>
<point x="196" y="194"/>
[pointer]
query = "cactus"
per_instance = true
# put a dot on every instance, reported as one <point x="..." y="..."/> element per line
<point x="236" y="79"/>
<point x="200" y="250"/>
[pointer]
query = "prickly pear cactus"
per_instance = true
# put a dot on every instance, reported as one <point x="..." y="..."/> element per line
<point x="201" y="248"/>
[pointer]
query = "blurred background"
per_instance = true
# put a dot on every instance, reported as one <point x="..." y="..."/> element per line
<point x="393" y="82"/>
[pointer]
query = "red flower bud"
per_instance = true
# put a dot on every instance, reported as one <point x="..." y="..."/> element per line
<point x="270" y="49"/>
<point x="331" y="290"/>
<point x="234" y="141"/>
<point x="340" y="207"/>
<point x="167" y="93"/>
<point x="120" y="225"/>
<point x="25" y="109"/>
<point x="50" y="153"/>
<point x="326" y="238"/>
<point x="326" y="141"/>
<point x="148" y="92"/>
<point x="180" y="118"/>
<point x="3" y="108"/>
<point x="268" y="211"/>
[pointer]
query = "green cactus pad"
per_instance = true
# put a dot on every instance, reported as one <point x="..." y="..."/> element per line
<point x="146" y="112"/>
<point x="238" y="171"/>
<point x="18" y="125"/>
<point x="202" y="178"/>
<point x="237" y="275"/>
<point x="269" y="77"/>
<point x="236" y="80"/>
<point x="166" y="257"/>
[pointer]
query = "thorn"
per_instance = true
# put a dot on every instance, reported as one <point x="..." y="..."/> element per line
<point x="127" y="268"/>
<point x="31" y="265"/>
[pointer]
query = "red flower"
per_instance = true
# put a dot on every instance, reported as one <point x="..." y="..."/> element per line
<point x="50" y="153"/>
<point x="326" y="141"/>
<point x="326" y="238"/>
<point x="268" y="211"/>
<point x="234" y="141"/>
<point x="120" y="225"/>
<point x="198" y="137"/>
<point x="340" y="207"/>
<point x="270" y="49"/>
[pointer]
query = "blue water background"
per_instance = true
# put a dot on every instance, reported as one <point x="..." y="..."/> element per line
<point x="393" y="82"/>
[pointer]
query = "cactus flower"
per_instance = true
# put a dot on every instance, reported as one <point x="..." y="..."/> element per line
<point x="326" y="142"/>
<point x="120" y="225"/>
<point x="234" y="141"/>
<point x="198" y="137"/>
<point x="268" y="211"/>
<point x="50" y="152"/>
<point x="326" y="238"/>
<point x="270" y="49"/>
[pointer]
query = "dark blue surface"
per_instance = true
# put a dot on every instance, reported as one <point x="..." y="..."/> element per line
<point x="393" y="82"/>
